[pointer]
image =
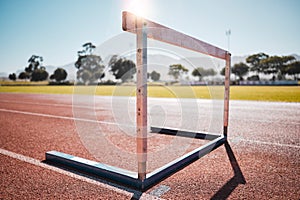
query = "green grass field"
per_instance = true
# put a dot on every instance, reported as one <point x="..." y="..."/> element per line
<point x="23" y="83"/>
<point x="257" y="93"/>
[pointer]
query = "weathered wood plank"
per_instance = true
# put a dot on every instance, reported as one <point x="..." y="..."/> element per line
<point x="164" y="34"/>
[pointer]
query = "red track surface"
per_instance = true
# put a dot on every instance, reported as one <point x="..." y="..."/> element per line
<point x="261" y="162"/>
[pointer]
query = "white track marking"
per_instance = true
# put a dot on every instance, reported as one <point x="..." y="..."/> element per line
<point x="61" y="117"/>
<point x="55" y="104"/>
<point x="263" y="121"/>
<point x="160" y="190"/>
<point x="270" y="143"/>
<point x="112" y="123"/>
<point x="70" y="174"/>
<point x="153" y="99"/>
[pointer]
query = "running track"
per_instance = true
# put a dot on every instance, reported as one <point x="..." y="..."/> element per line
<point x="262" y="160"/>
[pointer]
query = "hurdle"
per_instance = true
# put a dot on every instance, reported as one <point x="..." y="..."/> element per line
<point x="141" y="180"/>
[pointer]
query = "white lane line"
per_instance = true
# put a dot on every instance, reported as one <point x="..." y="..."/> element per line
<point x="238" y="139"/>
<point x="61" y="117"/>
<point x="112" y="123"/>
<point x="271" y="143"/>
<point x="264" y="121"/>
<point x="76" y="176"/>
<point x="55" y="104"/>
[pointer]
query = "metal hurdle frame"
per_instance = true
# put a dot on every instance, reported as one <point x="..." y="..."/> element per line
<point x="142" y="180"/>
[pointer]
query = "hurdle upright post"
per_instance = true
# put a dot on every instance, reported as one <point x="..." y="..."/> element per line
<point x="141" y="97"/>
<point x="226" y="93"/>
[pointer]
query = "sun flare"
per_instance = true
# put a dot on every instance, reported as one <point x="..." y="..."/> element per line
<point x="138" y="7"/>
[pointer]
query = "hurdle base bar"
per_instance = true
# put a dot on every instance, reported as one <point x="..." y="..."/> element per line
<point x="129" y="178"/>
<point x="183" y="133"/>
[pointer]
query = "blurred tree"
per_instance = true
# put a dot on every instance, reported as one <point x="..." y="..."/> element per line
<point x="253" y="78"/>
<point x="34" y="62"/>
<point x="222" y="72"/>
<point x="255" y="62"/>
<point x="122" y="68"/>
<point x="59" y="75"/>
<point x="90" y="67"/>
<point x="240" y="70"/>
<point x="155" y="76"/>
<point x="277" y="65"/>
<point x="12" y="76"/>
<point x="294" y="69"/>
<point x="35" y="71"/>
<point x="89" y="47"/>
<point x="201" y="72"/>
<point x="39" y="74"/>
<point x="86" y="76"/>
<point x="176" y="70"/>
<point x="24" y="75"/>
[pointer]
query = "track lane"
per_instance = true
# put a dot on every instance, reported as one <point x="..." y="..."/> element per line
<point x="266" y="150"/>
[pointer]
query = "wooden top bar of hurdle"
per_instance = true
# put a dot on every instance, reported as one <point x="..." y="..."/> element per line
<point x="164" y="34"/>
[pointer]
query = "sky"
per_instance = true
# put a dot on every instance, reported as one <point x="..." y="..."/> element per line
<point x="56" y="29"/>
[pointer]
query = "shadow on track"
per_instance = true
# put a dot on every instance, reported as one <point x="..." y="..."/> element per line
<point x="238" y="178"/>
